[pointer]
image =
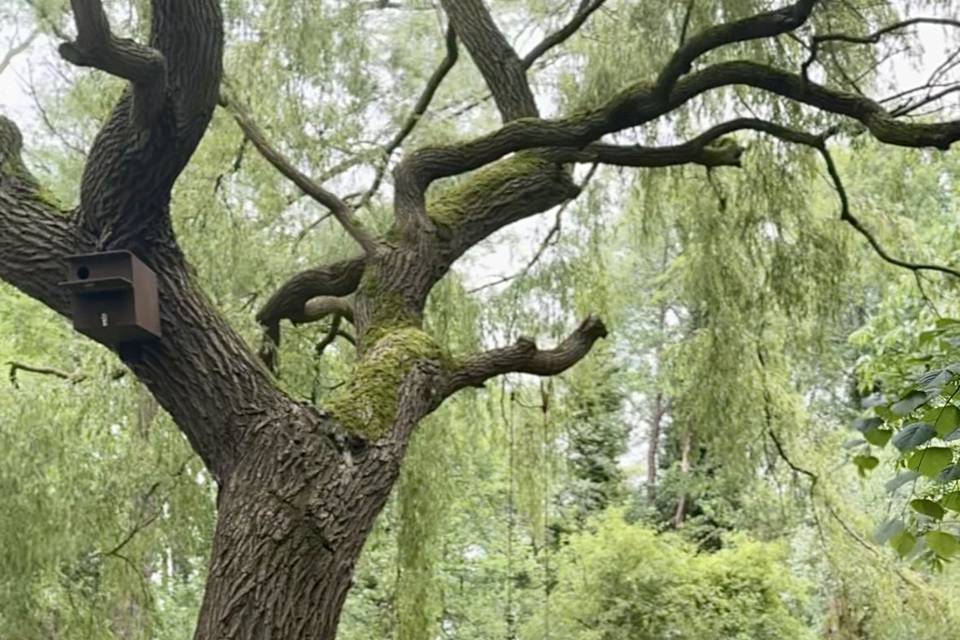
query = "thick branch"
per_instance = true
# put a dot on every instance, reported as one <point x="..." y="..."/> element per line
<point x="510" y="190"/>
<point x="498" y="63"/>
<point x="97" y="47"/>
<point x="323" y="306"/>
<point x="289" y="302"/>
<point x="639" y="104"/>
<point x="340" y="210"/>
<point x="34" y="233"/>
<point x="724" y="154"/>
<point x="525" y="357"/>
<point x="762" y="25"/>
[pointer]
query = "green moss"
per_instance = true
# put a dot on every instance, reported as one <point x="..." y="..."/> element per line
<point x="367" y="403"/>
<point x="390" y="312"/>
<point x="448" y="207"/>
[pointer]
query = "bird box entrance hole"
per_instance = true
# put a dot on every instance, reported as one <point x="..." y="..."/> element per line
<point x="114" y="300"/>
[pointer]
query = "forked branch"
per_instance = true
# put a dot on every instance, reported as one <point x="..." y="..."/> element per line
<point x="95" y="46"/>
<point x="762" y="25"/>
<point x="497" y="61"/>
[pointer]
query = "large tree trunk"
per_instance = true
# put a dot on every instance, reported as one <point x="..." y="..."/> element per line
<point x="293" y="517"/>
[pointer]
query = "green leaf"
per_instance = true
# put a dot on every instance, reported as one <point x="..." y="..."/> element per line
<point x="951" y="501"/>
<point x="913" y="435"/>
<point x="931" y="461"/>
<point x="934" y="380"/>
<point x="878" y="437"/>
<point x="928" y="508"/>
<point x="865" y="424"/>
<point x="942" y="543"/>
<point x="865" y="463"/>
<point x="900" y="480"/>
<point x="949" y="474"/>
<point x="947" y="420"/>
<point x="888" y="530"/>
<point x="909" y="403"/>
<point x="903" y="543"/>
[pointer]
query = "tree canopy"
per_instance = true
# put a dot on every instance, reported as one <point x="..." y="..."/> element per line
<point x="544" y="319"/>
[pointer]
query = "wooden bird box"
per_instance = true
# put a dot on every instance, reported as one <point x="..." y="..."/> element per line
<point x="114" y="297"/>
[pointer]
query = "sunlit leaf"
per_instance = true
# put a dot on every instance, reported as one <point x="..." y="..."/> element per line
<point x="928" y="508"/>
<point x="931" y="461"/>
<point x="943" y="544"/>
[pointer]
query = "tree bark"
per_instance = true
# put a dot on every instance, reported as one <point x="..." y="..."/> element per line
<point x="653" y="447"/>
<point x="300" y="488"/>
<point x="681" y="512"/>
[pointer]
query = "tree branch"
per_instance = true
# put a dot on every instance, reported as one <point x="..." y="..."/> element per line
<point x="525" y="357"/>
<point x="584" y="11"/>
<point x="323" y="306"/>
<point x="75" y="377"/>
<point x="34" y="233"/>
<point x="420" y="108"/>
<point x="871" y="38"/>
<point x="17" y="49"/>
<point x="337" y="207"/>
<point x="498" y="63"/>
<point x="289" y="302"/>
<point x="639" y="104"/>
<point x="724" y="154"/>
<point x="848" y="217"/>
<point x="762" y="25"/>
<point x="95" y="46"/>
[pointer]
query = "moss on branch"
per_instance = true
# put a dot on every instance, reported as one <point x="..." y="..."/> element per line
<point x="449" y="206"/>
<point x="367" y="404"/>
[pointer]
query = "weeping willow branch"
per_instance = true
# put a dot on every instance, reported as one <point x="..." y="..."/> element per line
<point x="337" y="207"/>
<point x="15" y="367"/>
<point x="848" y="217"/>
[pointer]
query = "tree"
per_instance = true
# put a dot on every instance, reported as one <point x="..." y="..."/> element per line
<point x="300" y="487"/>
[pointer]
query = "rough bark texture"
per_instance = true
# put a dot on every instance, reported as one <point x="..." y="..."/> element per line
<point x="300" y="487"/>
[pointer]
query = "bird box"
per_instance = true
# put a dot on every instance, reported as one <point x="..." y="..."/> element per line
<point x="114" y="298"/>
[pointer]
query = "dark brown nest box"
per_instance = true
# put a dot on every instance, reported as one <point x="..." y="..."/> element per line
<point x="114" y="297"/>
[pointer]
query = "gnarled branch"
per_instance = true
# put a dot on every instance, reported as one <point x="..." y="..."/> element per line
<point x="525" y="357"/>
<point x="95" y="46"/>
<point x="289" y="302"/>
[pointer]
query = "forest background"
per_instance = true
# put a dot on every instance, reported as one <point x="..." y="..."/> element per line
<point x="737" y="460"/>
